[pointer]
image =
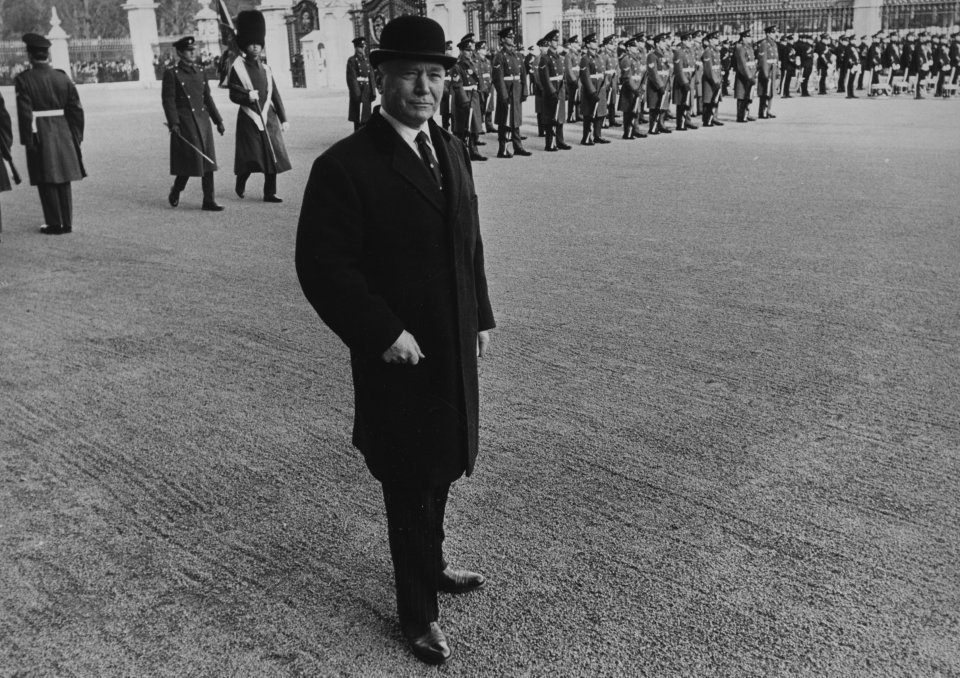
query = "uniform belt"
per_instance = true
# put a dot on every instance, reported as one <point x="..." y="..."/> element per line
<point x="597" y="75"/>
<point x="687" y="70"/>
<point x="611" y="71"/>
<point x="360" y="78"/>
<point x="511" y="78"/>
<point x="51" y="113"/>
<point x="666" y="72"/>
<point x="469" y="88"/>
<point x="556" y="78"/>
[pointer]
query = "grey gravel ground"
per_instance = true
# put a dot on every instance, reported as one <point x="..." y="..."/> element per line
<point x="720" y="418"/>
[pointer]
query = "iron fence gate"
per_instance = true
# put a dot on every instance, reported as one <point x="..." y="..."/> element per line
<point x="373" y="15"/>
<point x="486" y="18"/>
<point x="910" y="14"/>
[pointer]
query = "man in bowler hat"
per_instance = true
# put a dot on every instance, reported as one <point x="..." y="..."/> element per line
<point x="390" y="256"/>
<point x="51" y="129"/>
<point x="189" y="109"/>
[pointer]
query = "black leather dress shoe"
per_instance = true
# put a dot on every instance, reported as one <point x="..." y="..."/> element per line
<point x="51" y="230"/>
<point x="717" y="123"/>
<point x="272" y="198"/>
<point x="689" y="126"/>
<point x="521" y="152"/>
<point x="173" y="198"/>
<point x="429" y="644"/>
<point x="770" y="116"/>
<point x="460" y="581"/>
<point x="601" y="140"/>
<point x="212" y="207"/>
<point x="564" y="147"/>
<point x="504" y="154"/>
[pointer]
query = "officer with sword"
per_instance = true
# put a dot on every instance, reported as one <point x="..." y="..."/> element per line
<point x="262" y="117"/>
<point x="189" y="109"/>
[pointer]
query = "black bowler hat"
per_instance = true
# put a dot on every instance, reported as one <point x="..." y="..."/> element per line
<point x="416" y="38"/>
<point x="506" y="32"/>
<point x="186" y="42"/>
<point x="359" y="42"/>
<point x="251" y="29"/>
<point x="36" y="42"/>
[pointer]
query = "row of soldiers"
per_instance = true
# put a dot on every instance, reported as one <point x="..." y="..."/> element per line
<point x="876" y="60"/>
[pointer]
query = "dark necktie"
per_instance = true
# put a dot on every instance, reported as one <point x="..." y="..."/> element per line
<point x="427" y="155"/>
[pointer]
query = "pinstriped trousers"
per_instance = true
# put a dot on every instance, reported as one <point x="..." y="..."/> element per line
<point x="415" y="531"/>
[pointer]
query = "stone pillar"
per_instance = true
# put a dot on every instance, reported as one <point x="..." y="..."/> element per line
<point x="315" y="71"/>
<point x="277" y="49"/>
<point x="59" y="54"/>
<point x="605" y="13"/>
<point x="208" y="29"/>
<point x="142" y="17"/>
<point x="336" y="33"/>
<point x="538" y="17"/>
<point x="451" y="17"/>
<point x="574" y="19"/>
<point x="867" y="17"/>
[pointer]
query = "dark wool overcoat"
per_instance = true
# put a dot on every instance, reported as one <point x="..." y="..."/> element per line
<point x="361" y="88"/>
<point x="258" y="151"/>
<point x="745" y="67"/>
<point x="510" y="84"/>
<point x="53" y="150"/>
<point x="712" y="75"/>
<point x="380" y="249"/>
<point x="6" y="143"/>
<point x="187" y="103"/>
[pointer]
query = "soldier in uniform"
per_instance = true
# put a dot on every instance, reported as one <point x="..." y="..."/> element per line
<point x="768" y="70"/>
<point x="531" y="63"/>
<point x="550" y="73"/>
<point x="788" y="65"/>
<point x="611" y="70"/>
<point x="593" y="95"/>
<point x="641" y="59"/>
<point x="571" y="75"/>
<point x="189" y="109"/>
<point x="726" y="63"/>
<point x="805" y="54"/>
<point x="6" y="143"/>
<point x="445" y="110"/>
<point x="823" y="51"/>
<point x="631" y="80"/>
<point x="745" y="67"/>
<point x="697" y="91"/>
<point x="487" y="98"/>
<point x="508" y="82"/>
<point x="658" y="74"/>
<point x="921" y="61"/>
<point x="954" y="53"/>
<point x="890" y="58"/>
<point x="851" y="62"/>
<point x="712" y="75"/>
<point x="683" y="81"/>
<point x="467" y="113"/>
<point x="871" y="63"/>
<point x="51" y="129"/>
<point x="262" y="117"/>
<point x="360" y="85"/>
<point x="906" y="57"/>
<point x="941" y="60"/>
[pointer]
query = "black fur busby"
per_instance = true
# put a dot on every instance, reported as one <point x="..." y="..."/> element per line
<point x="251" y="29"/>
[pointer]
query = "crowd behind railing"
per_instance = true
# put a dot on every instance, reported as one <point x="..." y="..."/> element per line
<point x="210" y="63"/>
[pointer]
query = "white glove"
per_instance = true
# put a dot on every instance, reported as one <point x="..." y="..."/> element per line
<point x="254" y="95"/>
<point x="284" y="126"/>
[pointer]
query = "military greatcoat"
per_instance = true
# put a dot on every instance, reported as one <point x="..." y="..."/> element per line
<point x="6" y="143"/>
<point x="187" y="104"/>
<point x="259" y="148"/>
<point x="51" y="125"/>
<point x="593" y="86"/>
<point x="360" y="87"/>
<point x="553" y="84"/>
<point x="465" y="83"/>
<point x="745" y="67"/>
<point x="658" y="72"/>
<point x="509" y="82"/>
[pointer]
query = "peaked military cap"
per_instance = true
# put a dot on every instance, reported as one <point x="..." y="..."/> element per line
<point x="711" y="35"/>
<point x="506" y="32"/>
<point x="770" y="29"/>
<point x="359" y="42"/>
<point x="587" y="39"/>
<point x="186" y="42"/>
<point x="572" y="39"/>
<point x="36" y="42"/>
<point x="417" y="38"/>
<point x="480" y="44"/>
<point x="630" y="42"/>
<point x="746" y="34"/>
<point x="465" y="40"/>
<point x="551" y="36"/>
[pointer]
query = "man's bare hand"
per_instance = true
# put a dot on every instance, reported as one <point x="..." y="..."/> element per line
<point x="483" y="341"/>
<point x="404" y="351"/>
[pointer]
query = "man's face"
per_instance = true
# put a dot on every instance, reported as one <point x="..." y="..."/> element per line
<point x="411" y="90"/>
<point x="253" y="51"/>
<point x="188" y="55"/>
<point x="555" y="44"/>
<point x="507" y="41"/>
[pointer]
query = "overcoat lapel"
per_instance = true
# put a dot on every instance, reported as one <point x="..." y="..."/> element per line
<point x="407" y="164"/>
